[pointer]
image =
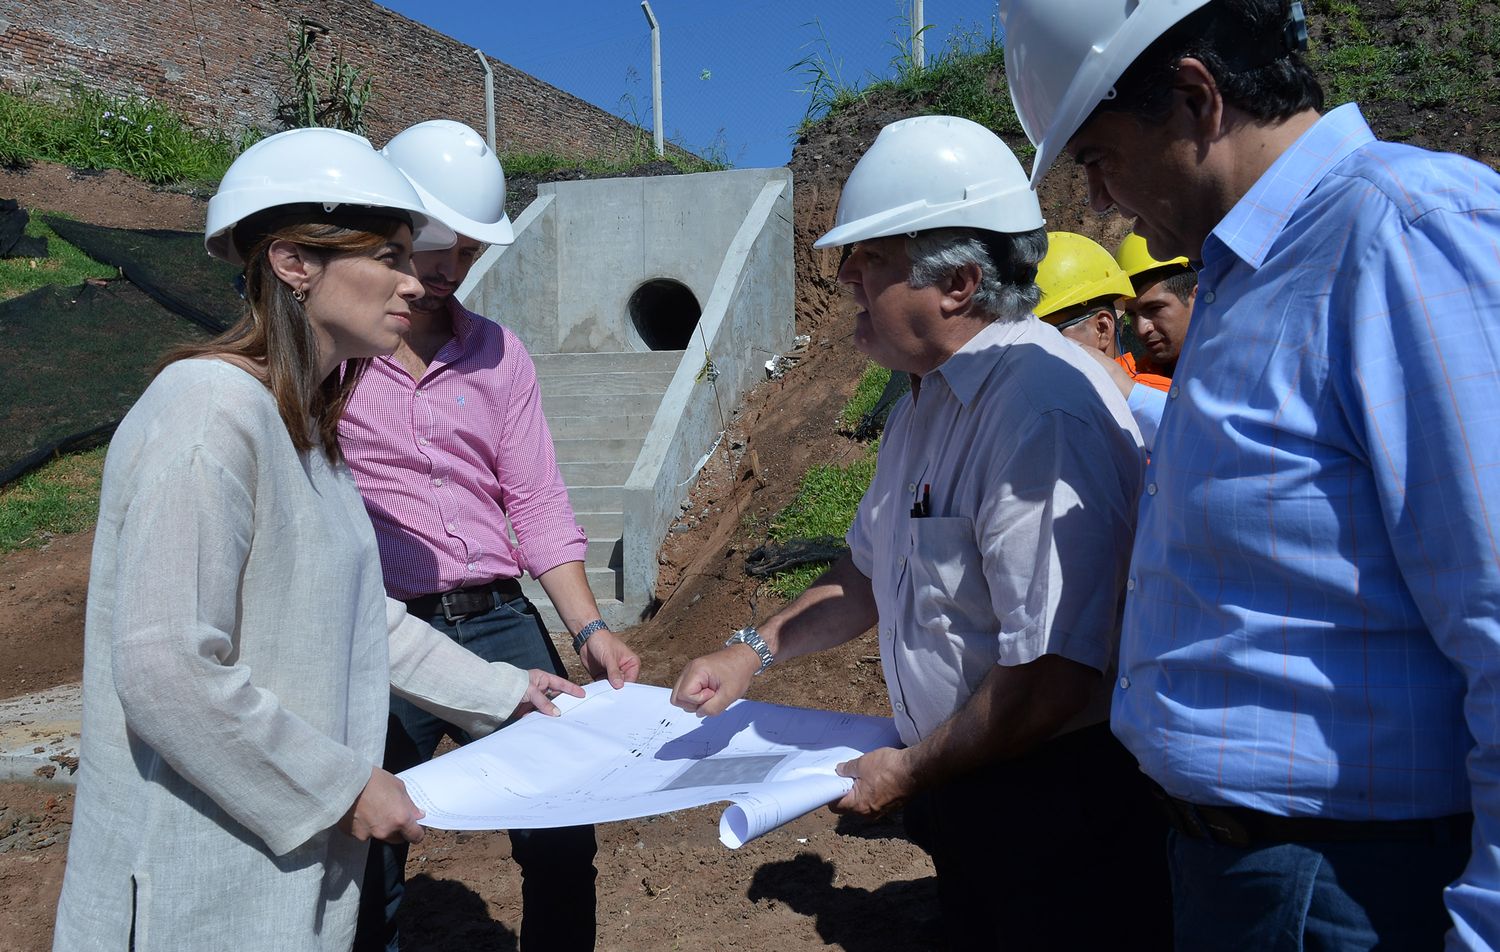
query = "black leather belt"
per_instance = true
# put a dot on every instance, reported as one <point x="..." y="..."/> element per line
<point x="1241" y="826"/>
<point x="463" y="602"/>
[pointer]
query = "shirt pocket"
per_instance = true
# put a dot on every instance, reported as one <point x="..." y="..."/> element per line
<point x="949" y="593"/>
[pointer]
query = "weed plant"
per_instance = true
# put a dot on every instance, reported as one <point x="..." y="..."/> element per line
<point x="65" y="264"/>
<point x="335" y="95"/>
<point x="59" y="498"/>
<point x="88" y="129"/>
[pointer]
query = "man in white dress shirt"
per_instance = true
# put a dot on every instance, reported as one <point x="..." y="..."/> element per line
<point x="990" y="550"/>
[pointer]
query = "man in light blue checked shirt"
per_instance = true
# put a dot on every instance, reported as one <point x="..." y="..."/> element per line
<point x="1310" y="664"/>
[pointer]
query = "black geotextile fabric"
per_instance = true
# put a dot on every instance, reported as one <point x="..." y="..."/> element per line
<point x="76" y="359"/>
<point x="771" y="558"/>
<point x="171" y="266"/>
<point x="14" y="243"/>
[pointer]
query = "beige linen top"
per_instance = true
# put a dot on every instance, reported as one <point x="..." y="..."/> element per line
<point x="238" y="654"/>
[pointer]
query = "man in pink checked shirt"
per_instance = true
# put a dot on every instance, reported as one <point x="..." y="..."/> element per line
<point x="447" y="441"/>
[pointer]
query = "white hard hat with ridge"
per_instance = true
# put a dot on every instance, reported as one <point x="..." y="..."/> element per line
<point x="327" y="167"/>
<point x="934" y="172"/>
<point x="457" y="175"/>
<point x="1063" y="57"/>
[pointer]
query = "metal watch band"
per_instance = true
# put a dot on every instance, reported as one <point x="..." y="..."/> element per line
<point x="749" y="636"/>
<point x="587" y="632"/>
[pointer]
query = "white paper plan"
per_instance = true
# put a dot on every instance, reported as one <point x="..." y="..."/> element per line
<point x="618" y="755"/>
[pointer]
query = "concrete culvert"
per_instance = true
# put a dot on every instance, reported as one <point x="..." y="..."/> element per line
<point x="664" y="313"/>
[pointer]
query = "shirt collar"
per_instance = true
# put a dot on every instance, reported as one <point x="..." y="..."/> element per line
<point x="966" y="371"/>
<point x="463" y="320"/>
<point x="1256" y="220"/>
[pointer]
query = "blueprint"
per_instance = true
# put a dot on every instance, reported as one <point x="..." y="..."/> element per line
<point x="617" y="755"/>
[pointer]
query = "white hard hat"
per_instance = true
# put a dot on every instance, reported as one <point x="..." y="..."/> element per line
<point x="328" y="167"/>
<point x="934" y="172"/>
<point x="457" y="175"/>
<point x="1063" y="57"/>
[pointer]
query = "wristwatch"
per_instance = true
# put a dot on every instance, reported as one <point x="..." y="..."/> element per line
<point x="749" y="636"/>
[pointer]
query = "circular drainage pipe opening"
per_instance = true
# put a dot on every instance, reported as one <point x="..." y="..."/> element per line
<point x="664" y="312"/>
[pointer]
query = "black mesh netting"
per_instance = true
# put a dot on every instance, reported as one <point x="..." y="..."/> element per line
<point x="79" y="357"/>
<point x="171" y="266"/>
<point x="76" y="359"/>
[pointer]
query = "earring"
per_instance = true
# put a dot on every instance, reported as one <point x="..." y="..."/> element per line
<point x="299" y="294"/>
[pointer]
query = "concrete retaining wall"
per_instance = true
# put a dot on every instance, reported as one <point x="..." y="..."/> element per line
<point x="583" y="248"/>
<point x="748" y="318"/>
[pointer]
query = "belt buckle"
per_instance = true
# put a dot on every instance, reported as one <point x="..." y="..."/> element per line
<point x="448" y="612"/>
<point x="1221" y="826"/>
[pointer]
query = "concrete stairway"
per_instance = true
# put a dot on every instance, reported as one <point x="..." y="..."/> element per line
<point x="599" y="407"/>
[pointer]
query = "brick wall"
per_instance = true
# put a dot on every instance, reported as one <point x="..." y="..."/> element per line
<point x="221" y="64"/>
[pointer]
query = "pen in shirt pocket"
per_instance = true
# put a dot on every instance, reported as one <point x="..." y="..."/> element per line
<point x="921" y="508"/>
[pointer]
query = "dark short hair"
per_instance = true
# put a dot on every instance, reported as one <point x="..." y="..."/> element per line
<point x="1244" y="44"/>
<point x="1175" y="278"/>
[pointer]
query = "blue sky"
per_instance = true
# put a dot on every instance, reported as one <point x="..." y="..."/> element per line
<point x="728" y="83"/>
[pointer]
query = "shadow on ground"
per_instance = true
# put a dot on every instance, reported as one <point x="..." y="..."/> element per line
<point x="447" y="915"/>
<point x="897" y="915"/>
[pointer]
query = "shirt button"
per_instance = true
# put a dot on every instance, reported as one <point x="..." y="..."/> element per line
<point x="470" y="566"/>
<point x="421" y="393"/>
<point x="451" y="527"/>
<point x="911" y="487"/>
<point x="1208" y="297"/>
<point x="1173" y="392"/>
<point x="1130" y="585"/>
<point x="1151" y="489"/>
<point x="439" y="481"/>
<point x="425" y="441"/>
<point x="900" y="707"/>
<point x="1124" y="683"/>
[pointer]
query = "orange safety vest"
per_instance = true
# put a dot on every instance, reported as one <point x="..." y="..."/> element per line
<point x="1154" y="381"/>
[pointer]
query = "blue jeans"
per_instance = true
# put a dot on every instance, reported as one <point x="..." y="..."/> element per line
<point x="557" y="866"/>
<point x="1290" y="897"/>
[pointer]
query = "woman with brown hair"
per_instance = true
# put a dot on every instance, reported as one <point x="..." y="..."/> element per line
<point x="239" y="647"/>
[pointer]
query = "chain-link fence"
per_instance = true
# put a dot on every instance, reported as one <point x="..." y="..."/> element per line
<point x="737" y="79"/>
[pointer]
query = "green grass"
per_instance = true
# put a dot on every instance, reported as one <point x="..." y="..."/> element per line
<point x="543" y="163"/>
<point x="65" y="264"/>
<point x="965" y="78"/>
<point x="1433" y="58"/>
<point x="825" y="504"/>
<point x="91" y="130"/>
<point x="59" y="498"/>
<point x="866" y="393"/>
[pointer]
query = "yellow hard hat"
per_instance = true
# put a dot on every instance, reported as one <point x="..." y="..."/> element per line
<point x="1133" y="256"/>
<point x="1076" y="270"/>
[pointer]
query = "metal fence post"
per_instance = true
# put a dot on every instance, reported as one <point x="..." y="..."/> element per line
<point x="918" y="35"/>
<point x="489" y="100"/>
<point x="656" y="123"/>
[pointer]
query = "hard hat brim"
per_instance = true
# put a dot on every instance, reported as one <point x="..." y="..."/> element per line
<point x="491" y="233"/>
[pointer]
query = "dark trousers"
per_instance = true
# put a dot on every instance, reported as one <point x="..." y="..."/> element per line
<point x="557" y="866"/>
<point x="1062" y="849"/>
